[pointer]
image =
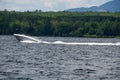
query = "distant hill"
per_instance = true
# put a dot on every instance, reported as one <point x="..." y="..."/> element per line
<point x="111" y="6"/>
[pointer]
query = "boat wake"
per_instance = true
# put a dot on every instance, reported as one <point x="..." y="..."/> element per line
<point x="29" y="39"/>
<point x="75" y="43"/>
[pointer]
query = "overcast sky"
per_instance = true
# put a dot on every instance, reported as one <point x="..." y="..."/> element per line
<point x="47" y="5"/>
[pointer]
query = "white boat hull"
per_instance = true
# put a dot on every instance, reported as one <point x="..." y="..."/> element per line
<point x="25" y="38"/>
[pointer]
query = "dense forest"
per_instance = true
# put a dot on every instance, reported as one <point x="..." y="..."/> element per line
<point x="65" y="24"/>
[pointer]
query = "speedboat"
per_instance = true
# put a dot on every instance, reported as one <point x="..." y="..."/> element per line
<point x="25" y="38"/>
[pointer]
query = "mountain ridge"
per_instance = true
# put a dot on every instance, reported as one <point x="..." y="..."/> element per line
<point x="111" y="6"/>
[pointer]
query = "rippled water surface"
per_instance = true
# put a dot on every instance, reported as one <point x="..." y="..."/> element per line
<point x="32" y="61"/>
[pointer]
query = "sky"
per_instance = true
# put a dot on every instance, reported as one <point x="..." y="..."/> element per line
<point x="47" y="5"/>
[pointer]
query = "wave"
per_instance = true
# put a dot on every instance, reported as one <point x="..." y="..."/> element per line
<point x="74" y="43"/>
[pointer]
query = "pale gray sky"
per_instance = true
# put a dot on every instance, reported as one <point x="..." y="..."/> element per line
<point x="47" y="5"/>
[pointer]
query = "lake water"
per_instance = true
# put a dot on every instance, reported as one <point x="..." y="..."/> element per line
<point x="32" y="61"/>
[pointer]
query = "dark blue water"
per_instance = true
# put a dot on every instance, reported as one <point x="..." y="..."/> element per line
<point x="31" y="61"/>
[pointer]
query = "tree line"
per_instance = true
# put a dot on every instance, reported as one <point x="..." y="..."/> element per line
<point x="65" y="24"/>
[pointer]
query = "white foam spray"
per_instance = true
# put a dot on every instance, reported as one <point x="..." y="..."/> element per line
<point x="74" y="43"/>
